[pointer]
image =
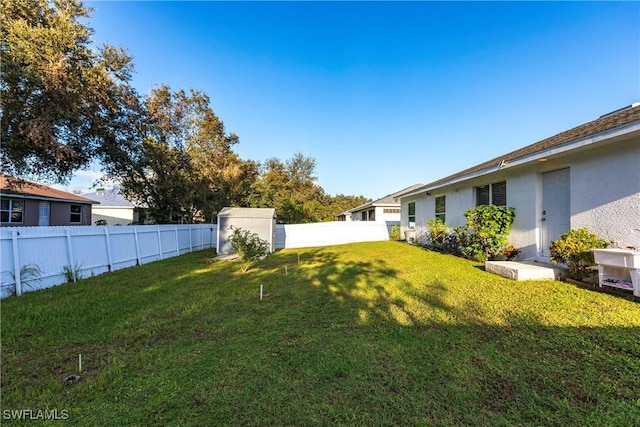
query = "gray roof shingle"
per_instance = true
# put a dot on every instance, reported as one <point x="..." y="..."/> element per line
<point x="606" y="122"/>
<point x="248" y="212"/>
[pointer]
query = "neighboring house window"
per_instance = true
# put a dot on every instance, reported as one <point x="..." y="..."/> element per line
<point x="372" y="215"/>
<point x="496" y="194"/>
<point x="76" y="214"/>
<point x="363" y="216"/>
<point x="412" y="214"/>
<point x="391" y="211"/>
<point x="441" y="207"/>
<point x="11" y="211"/>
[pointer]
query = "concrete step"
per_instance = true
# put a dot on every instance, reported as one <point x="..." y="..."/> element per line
<point x="524" y="270"/>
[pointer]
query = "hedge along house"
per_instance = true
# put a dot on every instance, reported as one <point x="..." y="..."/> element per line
<point x="25" y="203"/>
<point x="588" y="176"/>
<point x="261" y="221"/>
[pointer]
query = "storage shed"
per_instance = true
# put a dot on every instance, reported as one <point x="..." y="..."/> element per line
<point x="261" y="221"/>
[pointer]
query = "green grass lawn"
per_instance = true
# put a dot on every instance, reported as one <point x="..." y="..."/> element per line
<point x="365" y="334"/>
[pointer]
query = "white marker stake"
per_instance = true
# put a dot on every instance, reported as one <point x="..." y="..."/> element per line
<point x="80" y="362"/>
<point x="298" y="258"/>
<point x="286" y="271"/>
<point x="260" y="292"/>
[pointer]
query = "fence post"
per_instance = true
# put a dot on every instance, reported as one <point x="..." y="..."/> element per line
<point x="16" y="263"/>
<point x="106" y="236"/>
<point x="177" y="242"/>
<point x="135" y="236"/>
<point x="190" y="243"/>
<point x="70" y="251"/>
<point x="159" y="241"/>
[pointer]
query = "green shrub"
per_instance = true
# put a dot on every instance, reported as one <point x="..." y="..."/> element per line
<point x="574" y="249"/>
<point x="455" y="241"/>
<point x="510" y="252"/>
<point x="101" y="222"/>
<point x="437" y="233"/>
<point x="248" y="246"/>
<point x="395" y="233"/>
<point x="72" y="273"/>
<point x="486" y="231"/>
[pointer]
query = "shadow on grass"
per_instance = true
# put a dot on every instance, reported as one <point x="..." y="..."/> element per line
<point x="341" y="337"/>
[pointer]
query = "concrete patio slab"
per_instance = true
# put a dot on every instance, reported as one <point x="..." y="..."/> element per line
<point x="524" y="270"/>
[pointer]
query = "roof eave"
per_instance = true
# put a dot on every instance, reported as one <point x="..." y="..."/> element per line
<point x="48" y="199"/>
<point x="535" y="157"/>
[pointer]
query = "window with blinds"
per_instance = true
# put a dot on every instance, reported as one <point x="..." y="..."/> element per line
<point x="499" y="193"/>
<point x="482" y="195"/>
<point x="495" y="194"/>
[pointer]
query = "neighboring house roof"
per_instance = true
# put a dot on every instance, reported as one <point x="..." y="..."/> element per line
<point x="13" y="187"/>
<point x="110" y="198"/>
<point x="388" y="200"/>
<point x="607" y="122"/>
<point x="247" y="212"/>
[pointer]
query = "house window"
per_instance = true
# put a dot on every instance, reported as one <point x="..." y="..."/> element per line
<point x="441" y="207"/>
<point x="363" y="215"/>
<point x="412" y="214"/>
<point x="391" y="211"/>
<point x="496" y="194"/>
<point x="499" y="193"/>
<point x="372" y="215"/>
<point x="482" y="195"/>
<point x="76" y="214"/>
<point x="11" y="211"/>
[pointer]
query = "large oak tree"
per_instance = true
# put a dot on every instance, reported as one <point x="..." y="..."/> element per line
<point x="63" y="102"/>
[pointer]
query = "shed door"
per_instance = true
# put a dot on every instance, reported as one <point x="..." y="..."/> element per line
<point x="556" y="216"/>
<point x="43" y="213"/>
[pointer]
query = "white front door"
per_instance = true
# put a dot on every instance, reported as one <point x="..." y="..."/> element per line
<point x="556" y="214"/>
<point x="43" y="213"/>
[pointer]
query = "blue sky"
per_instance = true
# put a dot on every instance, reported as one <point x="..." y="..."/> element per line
<point x="384" y="95"/>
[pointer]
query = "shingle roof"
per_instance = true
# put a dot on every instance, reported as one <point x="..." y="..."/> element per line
<point x="10" y="186"/>
<point x="389" y="199"/>
<point x="247" y="212"/>
<point x="111" y="197"/>
<point x="604" y="123"/>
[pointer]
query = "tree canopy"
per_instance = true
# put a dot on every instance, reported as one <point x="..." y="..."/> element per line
<point x="63" y="102"/>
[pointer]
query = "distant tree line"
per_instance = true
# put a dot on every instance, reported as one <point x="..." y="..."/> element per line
<point x="66" y="104"/>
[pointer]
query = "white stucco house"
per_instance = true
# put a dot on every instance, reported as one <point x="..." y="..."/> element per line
<point x="588" y="176"/>
<point x="386" y="209"/>
<point x="113" y="208"/>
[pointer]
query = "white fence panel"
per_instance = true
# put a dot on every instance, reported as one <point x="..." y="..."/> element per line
<point x="329" y="233"/>
<point x="89" y="250"/>
<point x="123" y="247"/>
<point x="96" y="250"/>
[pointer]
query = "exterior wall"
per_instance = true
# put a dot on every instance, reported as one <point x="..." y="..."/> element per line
<point x="425" y="205"/>
<point x="113" y="215"/>
<point x="263" y="227"/>
<point x="380" y="215"/>
<point x="604" y="196"/>
<point x="59" y="213"/>
<point x="605" y="193"/>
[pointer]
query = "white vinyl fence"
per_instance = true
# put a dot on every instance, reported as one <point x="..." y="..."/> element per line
<point x="331" y="233"/>
<point x="36" y="257"/>
<point x="89" y="251"/>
